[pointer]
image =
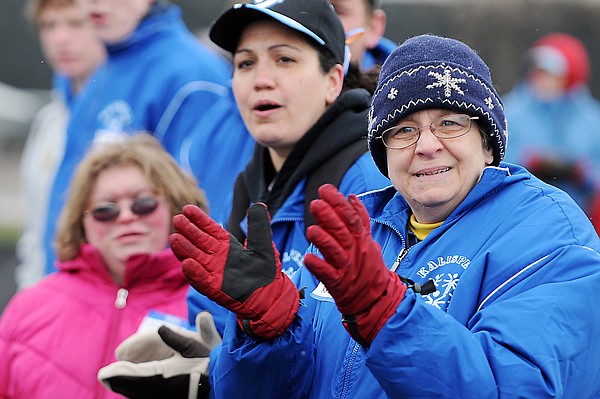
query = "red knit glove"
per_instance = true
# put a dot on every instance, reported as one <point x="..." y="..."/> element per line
<point x="365" y="291"/>
<point x="246" y="280"/>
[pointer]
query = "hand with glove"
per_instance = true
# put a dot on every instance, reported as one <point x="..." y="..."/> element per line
<point x="365" y="291"/>
<point x="247" y="280"/>
<point x="164" y="364"/>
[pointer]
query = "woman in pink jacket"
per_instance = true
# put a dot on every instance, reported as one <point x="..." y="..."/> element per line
<point x="114" y="268"/>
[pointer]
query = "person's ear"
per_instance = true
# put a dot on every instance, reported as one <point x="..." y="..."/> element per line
<point x="489" y="155"/>
<point x="335" y="78"/>
<point x="377" y="25"/>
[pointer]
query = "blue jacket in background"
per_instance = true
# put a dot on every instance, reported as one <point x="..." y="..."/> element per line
<point x="516" y="267"/>
<point x="216" y="152"/>
<point x="161" y="80"/>
<point x="376" y="55"/>
<point x="567" y="128"/>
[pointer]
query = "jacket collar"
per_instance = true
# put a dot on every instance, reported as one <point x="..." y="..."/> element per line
<point x="161" y="17"/>
<point x="387" y="206"/>
<point x="162" y="266"/>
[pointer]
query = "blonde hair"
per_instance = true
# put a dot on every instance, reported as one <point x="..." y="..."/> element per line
<point x="168" y="180"/>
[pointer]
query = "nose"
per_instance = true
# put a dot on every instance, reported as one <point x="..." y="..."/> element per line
<point x="263" y="76"/>
<point x="125" y="213"/>
<point x="60" y="33"/>
<point x="428" y="143"/>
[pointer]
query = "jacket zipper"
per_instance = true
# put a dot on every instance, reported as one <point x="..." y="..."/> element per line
<point x="120" y="304"/>
<point x="347" y="376"/>
<point x="121" y="300"/>
<point x="348" y="370"/>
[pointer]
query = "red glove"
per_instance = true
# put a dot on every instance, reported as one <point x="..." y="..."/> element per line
<point x="246" y="280"/>
<point x="365" y="291"/>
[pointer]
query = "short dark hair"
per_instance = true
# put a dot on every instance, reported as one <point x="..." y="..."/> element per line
<point x="355" y="78"/>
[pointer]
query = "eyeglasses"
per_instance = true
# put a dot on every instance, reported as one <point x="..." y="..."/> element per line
<point x="406" y="134"/>
<point x="110" y="211"/>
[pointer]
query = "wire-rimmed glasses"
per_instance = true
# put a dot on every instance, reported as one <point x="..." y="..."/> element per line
<point x="406" y="134"/>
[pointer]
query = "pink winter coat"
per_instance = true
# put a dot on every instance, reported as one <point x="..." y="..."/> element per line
<point x="56" y="335"/>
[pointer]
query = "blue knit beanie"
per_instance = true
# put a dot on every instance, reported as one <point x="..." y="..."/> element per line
<point x="435" y="72"/>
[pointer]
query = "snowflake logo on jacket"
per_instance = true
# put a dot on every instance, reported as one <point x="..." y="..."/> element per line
<point x="116" y="116"/>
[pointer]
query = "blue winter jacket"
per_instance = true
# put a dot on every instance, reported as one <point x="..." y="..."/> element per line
<point x="516" y="266"/>
<point x="161" y="80"/>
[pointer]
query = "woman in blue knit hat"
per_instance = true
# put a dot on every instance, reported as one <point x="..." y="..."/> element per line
<point x="468" y="278"/>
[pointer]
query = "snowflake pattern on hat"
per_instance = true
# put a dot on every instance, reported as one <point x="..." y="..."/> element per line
<point x="447" y="82"/>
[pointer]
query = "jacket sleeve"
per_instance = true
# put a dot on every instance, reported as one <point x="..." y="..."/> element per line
<point x="514" y="344"/>
<point x="197" y="303"/>
<point x="363" y="176"/>
<point x="215" y="150"/>
<point x="281" y="368"/>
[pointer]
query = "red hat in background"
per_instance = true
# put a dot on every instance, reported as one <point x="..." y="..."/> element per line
<point x="562" y="54"/>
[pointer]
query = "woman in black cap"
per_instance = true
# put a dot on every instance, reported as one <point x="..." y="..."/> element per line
<point x="306" y="106"/>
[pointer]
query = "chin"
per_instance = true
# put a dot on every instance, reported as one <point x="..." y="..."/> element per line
<point x="126" y="253"/>
<point x="430" y="196"/>
<point x="269" y="140"/>
<point x="430" y="202"/>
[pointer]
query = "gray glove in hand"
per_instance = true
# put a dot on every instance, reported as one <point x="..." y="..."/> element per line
<point x="166" y="364"/>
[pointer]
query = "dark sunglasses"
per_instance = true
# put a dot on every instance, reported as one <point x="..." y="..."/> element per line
<point x="109" y="211"/>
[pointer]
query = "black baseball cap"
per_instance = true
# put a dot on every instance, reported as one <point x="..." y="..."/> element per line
<point x="314" y="18"/>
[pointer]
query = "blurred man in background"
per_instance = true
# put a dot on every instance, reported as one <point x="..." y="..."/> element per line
<point x="73" y="51"/>
<point x="364" y="22"/>
<point x="160" y="79"/>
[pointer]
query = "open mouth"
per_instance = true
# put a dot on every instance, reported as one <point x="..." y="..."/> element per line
<point x="97" y="18"/>
<point x="266" y="107"/>
<point x="437" y="172"/>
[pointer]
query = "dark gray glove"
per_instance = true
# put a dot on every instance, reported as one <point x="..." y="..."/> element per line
<point x="164" y="363"/>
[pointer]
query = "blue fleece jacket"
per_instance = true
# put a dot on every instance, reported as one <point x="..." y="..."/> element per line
<point x="160" y="80"/>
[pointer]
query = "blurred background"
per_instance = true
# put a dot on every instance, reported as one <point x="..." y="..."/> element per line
<point x="499" y="30"/>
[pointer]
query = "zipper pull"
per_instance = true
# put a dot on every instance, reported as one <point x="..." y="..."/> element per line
<point x="121" y="300"/>
<point x="401" y="256"/>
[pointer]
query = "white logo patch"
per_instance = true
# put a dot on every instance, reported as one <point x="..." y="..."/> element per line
<point x="321" y="294"/>
<point x="294" y="256"/>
